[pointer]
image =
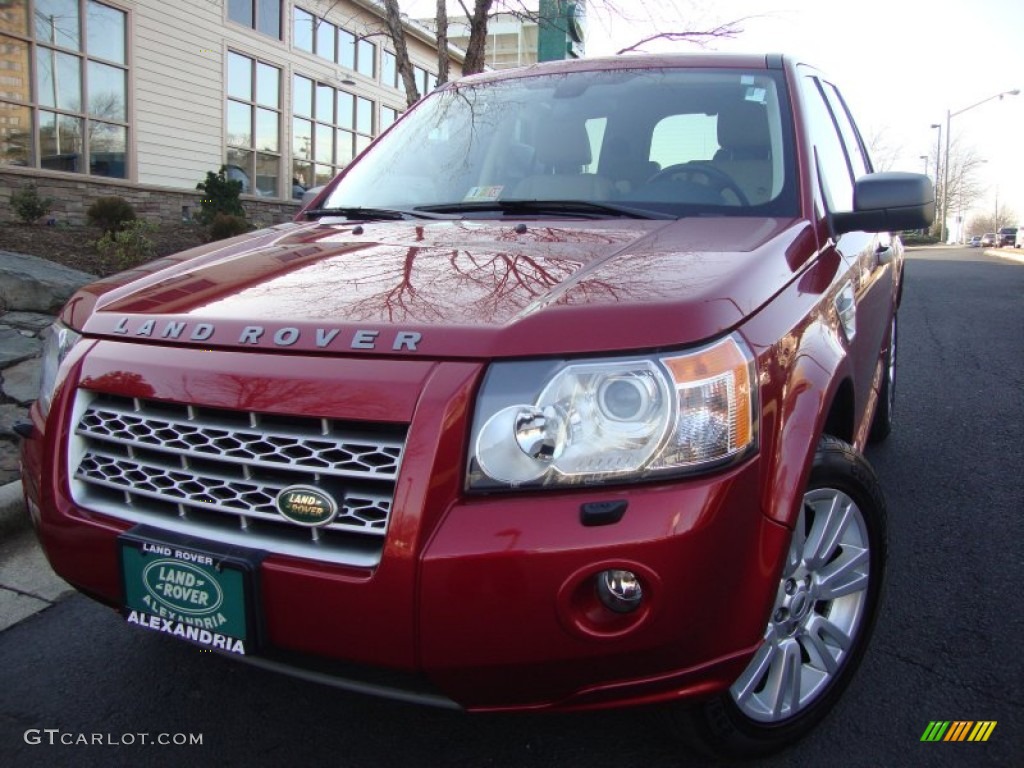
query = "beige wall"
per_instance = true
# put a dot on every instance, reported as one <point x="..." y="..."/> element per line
<point x="177" y="51"/>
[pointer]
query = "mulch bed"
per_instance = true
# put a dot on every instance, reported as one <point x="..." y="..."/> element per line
<point x="74" y="246"/>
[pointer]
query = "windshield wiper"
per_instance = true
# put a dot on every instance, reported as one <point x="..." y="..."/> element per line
<point x="371" y="214"/>
<point x="550" y="208"/>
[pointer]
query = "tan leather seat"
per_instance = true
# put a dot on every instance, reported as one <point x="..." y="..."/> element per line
<point x="745" y="153"/>
<point x="562" y="148"/>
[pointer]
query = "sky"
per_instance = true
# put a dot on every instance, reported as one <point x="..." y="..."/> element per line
<point x="901" y="65"/>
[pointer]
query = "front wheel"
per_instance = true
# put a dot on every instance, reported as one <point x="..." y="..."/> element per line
<point x="824" y="611"/>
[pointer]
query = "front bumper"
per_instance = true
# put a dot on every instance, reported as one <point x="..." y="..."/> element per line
<point x="488" y="601"/>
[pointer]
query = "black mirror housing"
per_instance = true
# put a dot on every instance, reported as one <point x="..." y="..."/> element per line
<point x="889" y="202"/>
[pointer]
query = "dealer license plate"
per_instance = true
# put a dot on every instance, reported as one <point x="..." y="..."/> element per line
<point x="188" y="592"/>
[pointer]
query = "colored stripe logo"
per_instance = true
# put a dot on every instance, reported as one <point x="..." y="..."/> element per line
<point x="958" y="730"/>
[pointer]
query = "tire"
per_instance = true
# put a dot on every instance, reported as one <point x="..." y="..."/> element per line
<point x="882" y="423"/>
<point x="823" y="632"/>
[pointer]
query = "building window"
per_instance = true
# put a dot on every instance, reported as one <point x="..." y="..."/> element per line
<point x="425" y="81"/>
<point x="346" y="49"/>
<point x="302" y="33"/>
<point x="317" y="35"/>
<point x="76" y="51"/>
<point x="366" y="58"/>
<point x="329" y="127"/>
<point x="262" y="15"/>
<point x="389" y="69"/>
<point x="388" y="116"/>
<point x="253" y="120"/>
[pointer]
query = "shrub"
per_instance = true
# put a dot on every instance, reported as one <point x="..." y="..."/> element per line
<point x="110" y="213"/>
<point x="220" y="195"/>
<point x="28" y="205"/>
<point x="225" y="225"/>
<point x="916" y="238"/>
<point x="130" y="246"/>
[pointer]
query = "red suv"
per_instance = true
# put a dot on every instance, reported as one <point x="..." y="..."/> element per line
<point x="554" y="399"/>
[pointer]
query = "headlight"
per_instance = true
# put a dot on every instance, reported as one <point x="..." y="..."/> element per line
<point x="613" y="420"/>
<point x="59" y="341"/>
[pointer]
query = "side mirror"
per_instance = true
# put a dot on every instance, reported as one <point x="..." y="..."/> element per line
<point x="888" y="202"/>
<point x="310" y="195"/>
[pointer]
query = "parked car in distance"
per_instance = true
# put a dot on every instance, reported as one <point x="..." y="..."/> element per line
<point x="555" y="399"/>
<point x="1006" y="237"/>
<point x="974" y="241"/>
<point x="988" y="240"/>
<point x="1018" y="241"/>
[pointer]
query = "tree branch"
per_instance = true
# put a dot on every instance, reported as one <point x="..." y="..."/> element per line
<point x="729" y="30"/>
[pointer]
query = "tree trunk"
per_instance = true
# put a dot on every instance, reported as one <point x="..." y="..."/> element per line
<point x="405" y="70"/>
<point x="476" y="49"/>
<point x="442" y="42"/>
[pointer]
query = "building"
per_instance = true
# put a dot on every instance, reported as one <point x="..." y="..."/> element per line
<point x="140" y="98"/>
<point x="511" y="41"/>
<point x="563" y="30"/>
<point x="556" y="30"/>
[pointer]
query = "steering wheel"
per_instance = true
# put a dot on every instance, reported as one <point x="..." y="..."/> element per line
<point x="701" y="174"/>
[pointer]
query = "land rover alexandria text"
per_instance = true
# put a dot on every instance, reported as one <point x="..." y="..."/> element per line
<point x="555" y="398"/>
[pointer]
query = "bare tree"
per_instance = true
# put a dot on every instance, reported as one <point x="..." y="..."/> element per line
<point x="964" y="186"/>
<point x="442" y="42"/>
<point x="884" y="154"/>
<point x="1001" y="216"/>
<point x="396" y="30"/>
<point x="701" y="38"/>
<point x="477" y="47"/>
<point x="479" y="12"/>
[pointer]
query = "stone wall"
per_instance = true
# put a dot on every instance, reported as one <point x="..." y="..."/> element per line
<point x="73" y="195"/>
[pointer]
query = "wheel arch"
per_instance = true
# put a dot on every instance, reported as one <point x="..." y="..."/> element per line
<point x="818" y="399"/>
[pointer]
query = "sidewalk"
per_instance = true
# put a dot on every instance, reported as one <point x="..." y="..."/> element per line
<point x="31" y="290"/>
<point x="27" y="583"/>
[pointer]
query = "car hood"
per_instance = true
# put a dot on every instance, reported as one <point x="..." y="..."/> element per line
<point x="464" y="289"/>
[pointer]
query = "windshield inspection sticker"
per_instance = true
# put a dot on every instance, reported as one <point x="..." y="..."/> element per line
<point x="756" y="94"/>
<point x="482" y="194"/>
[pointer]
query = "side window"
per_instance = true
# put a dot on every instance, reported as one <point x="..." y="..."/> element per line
<point x="851" y="136"/>
<point x="834" y="169"/>
<point x="684" y="138"/>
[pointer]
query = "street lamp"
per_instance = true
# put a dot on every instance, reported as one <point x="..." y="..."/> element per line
<point x="945" y="178"/>
<point x="925" y="158"/>
<point x="938" y="169"/>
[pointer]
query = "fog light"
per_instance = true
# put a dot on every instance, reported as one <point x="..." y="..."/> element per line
<point x="620" y="591"/>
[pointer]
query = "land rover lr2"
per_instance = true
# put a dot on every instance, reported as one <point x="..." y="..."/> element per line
<point x="555" y="398"/>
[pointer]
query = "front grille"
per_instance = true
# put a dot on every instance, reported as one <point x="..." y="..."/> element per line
<point x="216" y="473"/>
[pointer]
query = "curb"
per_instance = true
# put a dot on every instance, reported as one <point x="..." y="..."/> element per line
<point x="13" y="515"/>
<point x="1006" y="253"/>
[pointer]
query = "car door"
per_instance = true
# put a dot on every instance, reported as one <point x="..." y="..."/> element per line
<point x="871" y="257"/>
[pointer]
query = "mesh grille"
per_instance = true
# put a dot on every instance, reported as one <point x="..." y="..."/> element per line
<point x="217" y="473"/>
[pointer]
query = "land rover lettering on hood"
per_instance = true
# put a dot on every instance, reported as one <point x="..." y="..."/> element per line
<point x="556" y="398"/>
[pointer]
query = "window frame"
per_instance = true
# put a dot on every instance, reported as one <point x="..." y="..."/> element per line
<point x="87" y="121"/>
<point x="813" y="94"/>
<point x="255" y="106"/>
<point x="254" y="11"/>
<point x="343" y="125"/>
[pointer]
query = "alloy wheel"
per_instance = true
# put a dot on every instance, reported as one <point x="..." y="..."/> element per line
<point x="819" y="610"/>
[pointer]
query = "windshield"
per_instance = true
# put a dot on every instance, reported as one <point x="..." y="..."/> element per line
<point x="632" y="142"/>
